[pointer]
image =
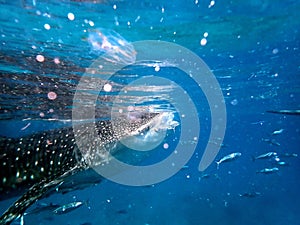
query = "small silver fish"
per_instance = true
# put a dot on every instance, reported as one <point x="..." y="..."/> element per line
<point x="276" y="132"/>
<point x="286" y="112"/>
<point x="268" y="170"/>
<point x="281" y="163"/>
<point x="271" y="141"/>
<point x="265" y="156"/>
<point x="289" y="155"/>
<point x="203" y="176"/>
<point x="250" y="194"/>
<point x="42" y="207"/>
<point x="228" y="158"/>
<point x="67" y="207"/>
<point x="185" y="167"/>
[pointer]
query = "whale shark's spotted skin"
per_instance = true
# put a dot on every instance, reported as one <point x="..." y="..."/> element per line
<point x="39" y="162"/>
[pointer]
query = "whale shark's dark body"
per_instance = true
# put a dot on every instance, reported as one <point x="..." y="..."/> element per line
<point x="38" y="163"/>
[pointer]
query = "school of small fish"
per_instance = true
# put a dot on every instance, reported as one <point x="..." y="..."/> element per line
<point x="275" y="158"/>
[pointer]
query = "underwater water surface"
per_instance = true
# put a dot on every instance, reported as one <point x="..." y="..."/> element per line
<point x="251" y="47"/>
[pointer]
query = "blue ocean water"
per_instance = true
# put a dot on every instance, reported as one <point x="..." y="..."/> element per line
<point x="252" y="48"/>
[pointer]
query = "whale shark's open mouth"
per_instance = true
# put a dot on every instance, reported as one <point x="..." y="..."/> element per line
<point x="150" y="135"/>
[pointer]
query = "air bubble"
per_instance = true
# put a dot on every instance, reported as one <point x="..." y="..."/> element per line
<point x="52" y="95"/>
<point x="71" y="16"/>
<point x="203" y="41"/>
<point x="40" y="58"/>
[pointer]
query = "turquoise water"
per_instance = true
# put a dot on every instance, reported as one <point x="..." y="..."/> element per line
<point x="252" y="48"/>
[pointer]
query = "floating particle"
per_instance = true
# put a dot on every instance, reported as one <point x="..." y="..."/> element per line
<point x="205" y="35"/>
<point x="226" y="204"/>
<point x="116" y="21"/>
<point x="234" y="102"/>
<point x="203" y="41"/>
<point x="91" y="23"/>
<point x="42" y="114"/>
<point x="52" y="95"/>
<point x="107" y="87"/>
<point x="56" y="61"/>
<point x="275" y="51"/>
<point x="115" y="7"/>
<point x="137" y="18"/>
<point x="46" y="15"/>
<point x="157" y="68"/>
<point x="27" y="125"/>
<point x="71" y="16"/>
<point x="40" y="58"/>
<point x="211" y="4"/>
<point x="166" y="146"/>
<point x="47" y="26"/>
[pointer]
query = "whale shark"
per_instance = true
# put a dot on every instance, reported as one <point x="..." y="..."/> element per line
<point x="36" y="164"/>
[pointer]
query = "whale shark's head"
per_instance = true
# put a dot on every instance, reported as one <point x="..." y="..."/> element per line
<point x="151" y="134"/>
<point x="159" y="123"/>
<point x="136" y="130"/>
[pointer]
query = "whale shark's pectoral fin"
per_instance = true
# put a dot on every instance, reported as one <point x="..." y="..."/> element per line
<point x="37" y="191"/>
<point x="17" y="209"/>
